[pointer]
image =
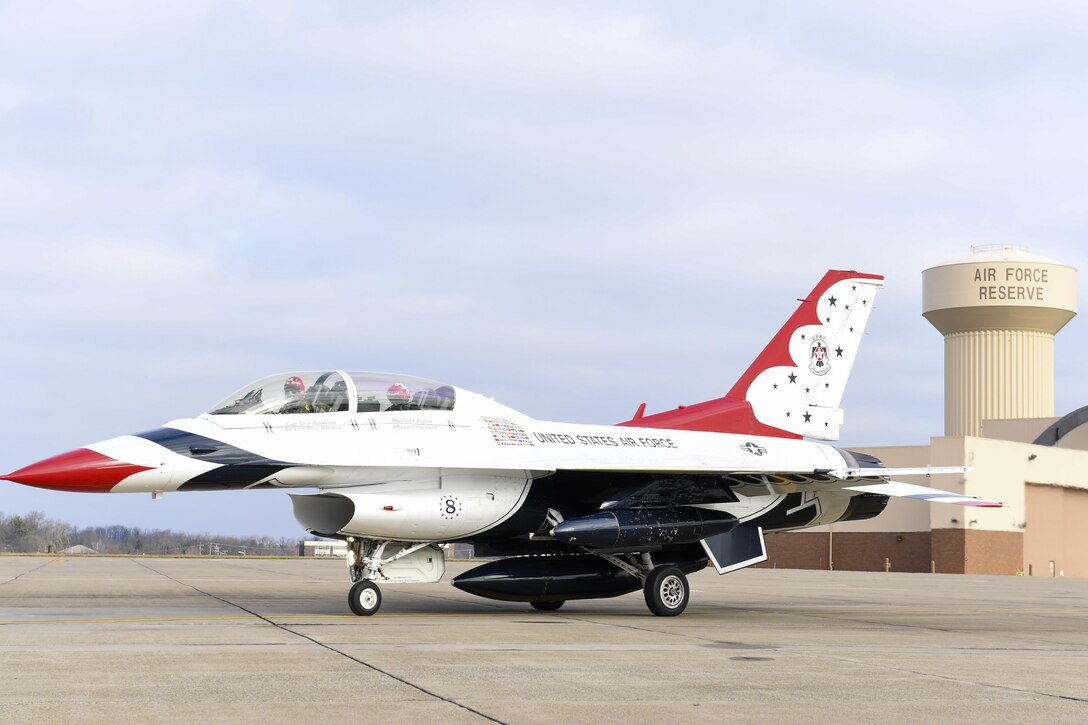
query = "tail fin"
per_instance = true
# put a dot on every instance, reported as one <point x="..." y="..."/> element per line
<point x="795" y="385"/>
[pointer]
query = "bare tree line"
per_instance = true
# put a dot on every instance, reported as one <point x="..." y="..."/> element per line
<point x="34" y="533"/>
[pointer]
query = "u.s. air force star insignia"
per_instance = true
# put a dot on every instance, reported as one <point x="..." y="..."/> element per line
<point x="753" y="448"/>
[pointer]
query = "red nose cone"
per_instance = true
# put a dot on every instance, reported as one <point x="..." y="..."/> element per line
<point x="78" y="470"/>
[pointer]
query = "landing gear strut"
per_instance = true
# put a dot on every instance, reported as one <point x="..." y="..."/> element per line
<point x="665" y="587"/>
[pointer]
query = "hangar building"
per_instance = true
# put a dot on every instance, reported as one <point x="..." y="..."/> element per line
<point x="999" y="309"/>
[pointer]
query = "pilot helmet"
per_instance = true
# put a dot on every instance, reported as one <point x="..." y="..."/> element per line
<point x="294" y="386"/>
<point x="398" y="394"/>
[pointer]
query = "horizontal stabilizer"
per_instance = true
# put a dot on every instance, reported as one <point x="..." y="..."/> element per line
<point x="736" y="549"/>
<point x="848" y="473"/>
<point x="909" y="490"/>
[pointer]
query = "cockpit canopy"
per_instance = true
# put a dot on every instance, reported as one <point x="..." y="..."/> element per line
<point x="336" y="391"/>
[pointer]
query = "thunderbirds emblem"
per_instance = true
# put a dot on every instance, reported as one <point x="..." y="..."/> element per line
<point x="818" y="361"/>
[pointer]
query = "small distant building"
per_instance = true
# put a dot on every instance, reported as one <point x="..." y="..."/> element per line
<point x="78" y="549"/>
<point x="459" y="551"/>
<point x="323" y="549"/>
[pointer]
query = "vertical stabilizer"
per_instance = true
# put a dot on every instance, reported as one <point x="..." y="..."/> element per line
<point x="795" y="385"/>
<point x="797" y="382"/>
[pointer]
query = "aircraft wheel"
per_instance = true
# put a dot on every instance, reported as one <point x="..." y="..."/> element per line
<point x="365" y="598"/>
<point x="666" y="591"/>
<point x="547" y="606"/>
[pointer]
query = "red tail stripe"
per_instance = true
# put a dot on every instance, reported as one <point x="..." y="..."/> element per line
<point x="777" y="352"/>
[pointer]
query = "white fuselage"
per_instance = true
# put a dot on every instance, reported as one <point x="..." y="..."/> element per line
<point x="421" y="475"/>
<point x="352" y="449"/>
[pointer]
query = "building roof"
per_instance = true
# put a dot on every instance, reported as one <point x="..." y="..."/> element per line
<point x="78" y="549"/>
<point x="1000" y="253"/>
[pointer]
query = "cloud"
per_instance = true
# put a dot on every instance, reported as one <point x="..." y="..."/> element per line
<point x="572" y="208"/>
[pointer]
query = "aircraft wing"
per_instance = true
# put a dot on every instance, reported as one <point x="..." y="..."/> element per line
<point x="647" y="489"/>
<point x="866" y="480"/>
<point x="847" y="473"/>
<point x="922" y="493"/>
<point x="910" y="490"/>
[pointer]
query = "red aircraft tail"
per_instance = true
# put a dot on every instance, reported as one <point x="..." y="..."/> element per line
<point x="795" y="385"/>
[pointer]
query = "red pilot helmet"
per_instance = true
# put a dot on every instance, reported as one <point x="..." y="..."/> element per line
<point x="398" y="394"/>
<point x="294" y="386"/>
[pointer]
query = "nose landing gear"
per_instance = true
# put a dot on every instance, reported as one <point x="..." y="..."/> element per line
<point x="364" y="598"/>
<point x="373" y="560"/>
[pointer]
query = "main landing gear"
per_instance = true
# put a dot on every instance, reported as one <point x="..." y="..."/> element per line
<point x="666" y="591"/>
<point x="665" y="587"/>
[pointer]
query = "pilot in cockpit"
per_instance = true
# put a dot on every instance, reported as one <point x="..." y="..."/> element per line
<point x="293" y="392"/>
<point x="399" y="397"/>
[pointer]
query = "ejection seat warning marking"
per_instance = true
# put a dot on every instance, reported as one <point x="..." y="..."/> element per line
<point x="507" y="433"/>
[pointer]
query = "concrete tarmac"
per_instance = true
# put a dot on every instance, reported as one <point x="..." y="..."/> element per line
<point x="96" y="639"/>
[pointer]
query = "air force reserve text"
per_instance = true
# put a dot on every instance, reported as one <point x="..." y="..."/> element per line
<point x="1019" y="283"/>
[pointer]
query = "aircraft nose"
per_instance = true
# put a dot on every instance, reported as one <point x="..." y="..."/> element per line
<point x="78" y="470"/>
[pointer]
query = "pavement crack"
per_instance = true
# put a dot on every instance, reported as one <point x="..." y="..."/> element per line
<point x="28" y="571"/>
<point x="949" y="678"/>
<point x="323" y="645"/>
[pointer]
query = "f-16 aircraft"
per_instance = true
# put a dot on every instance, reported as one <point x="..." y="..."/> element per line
<point x="404" y="465"/>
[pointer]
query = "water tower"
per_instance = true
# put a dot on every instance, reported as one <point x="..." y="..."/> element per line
<point x="998" y="309"/>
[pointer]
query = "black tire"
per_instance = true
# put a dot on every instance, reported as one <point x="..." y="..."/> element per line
<point x="547" y="606"/>
<point x="365" y="598"/>
<point x="667" y="591"/>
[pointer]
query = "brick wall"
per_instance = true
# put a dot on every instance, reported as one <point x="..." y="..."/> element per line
<point x="994" y="552"/>
<point x="868" y="551"/>
<point x="801" y="550"/>
<point x="853" y="550"/>
<point x="971" y="551"/>
<point x="948" y="550"/>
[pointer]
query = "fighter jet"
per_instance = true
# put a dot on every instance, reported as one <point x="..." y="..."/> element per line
<point x="404" y="465"/>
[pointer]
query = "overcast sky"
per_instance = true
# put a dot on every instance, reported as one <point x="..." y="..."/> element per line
<point x="574" y="207"/>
